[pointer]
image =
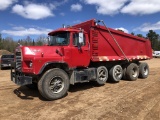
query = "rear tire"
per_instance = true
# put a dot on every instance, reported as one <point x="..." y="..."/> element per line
<point x="102" y="75"/>
<point x="116" y="73"/>
<point x="143" y="70"/>
<point x="132" y="72"/>
<point x="124" y="73"/>
<point x="54" y="84"/>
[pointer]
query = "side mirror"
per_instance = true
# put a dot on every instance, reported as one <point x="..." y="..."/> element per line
<point x="79" y="46"/>
<point x="81" y="40"/>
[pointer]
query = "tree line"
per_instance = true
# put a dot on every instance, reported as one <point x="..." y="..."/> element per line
<point x="10" y="44"/>
<point x="153" y="37"/>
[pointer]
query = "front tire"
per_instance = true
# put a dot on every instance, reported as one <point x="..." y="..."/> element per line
<point x="102" y="75"/>
<point x="54" y="84"/>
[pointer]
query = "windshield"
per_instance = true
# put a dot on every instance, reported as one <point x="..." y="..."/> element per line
<point x="59" y="38"/>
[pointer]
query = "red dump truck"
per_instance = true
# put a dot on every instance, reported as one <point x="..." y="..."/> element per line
<point x="89" y="51"/>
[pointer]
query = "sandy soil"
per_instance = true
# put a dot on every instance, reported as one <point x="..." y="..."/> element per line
<point x="126" y="100"/>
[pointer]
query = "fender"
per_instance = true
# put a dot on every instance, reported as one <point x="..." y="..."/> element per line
<point x="63" y="65"/>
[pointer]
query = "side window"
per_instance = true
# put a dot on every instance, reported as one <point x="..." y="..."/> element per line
<point x="76" y="40"/>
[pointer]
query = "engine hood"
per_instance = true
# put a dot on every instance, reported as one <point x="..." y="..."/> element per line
<point x="42" y="51"/>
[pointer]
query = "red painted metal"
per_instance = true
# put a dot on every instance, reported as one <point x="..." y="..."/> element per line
<point x="104" y="48"/>
<point x="99" y="46"/>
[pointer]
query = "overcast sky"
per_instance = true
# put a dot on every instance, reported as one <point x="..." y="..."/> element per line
<point x="19" y="19"/>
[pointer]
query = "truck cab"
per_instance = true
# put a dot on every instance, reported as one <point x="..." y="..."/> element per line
<point x="67" y="54"/>
<point x="73" y="46"/>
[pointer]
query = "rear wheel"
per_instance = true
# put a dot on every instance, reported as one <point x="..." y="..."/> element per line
<point x="124" y="73"/>
<point x="116" y="73"/>
<point x="102" y="75"/>
<point x="143" y="70"/>
<point x="54" y="84"/>
<point x="132" y="72"/>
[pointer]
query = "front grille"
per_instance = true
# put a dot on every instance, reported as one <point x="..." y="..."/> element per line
<point x="18" y="61"/>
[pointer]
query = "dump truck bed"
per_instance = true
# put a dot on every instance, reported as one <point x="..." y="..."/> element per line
<point x="104" y="47"/>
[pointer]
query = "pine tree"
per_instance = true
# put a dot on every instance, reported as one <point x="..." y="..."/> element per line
<point x="153" y="37"/>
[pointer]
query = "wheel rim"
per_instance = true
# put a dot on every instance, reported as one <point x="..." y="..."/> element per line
<point x="145" y="70"/>
<point x="56" y="84"/>
<point x="134" y="72"/>
<point x="118" y="72"/>
<point x="102" y="75"/>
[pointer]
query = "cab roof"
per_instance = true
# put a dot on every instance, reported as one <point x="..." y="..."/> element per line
<point x="69" y="29"/>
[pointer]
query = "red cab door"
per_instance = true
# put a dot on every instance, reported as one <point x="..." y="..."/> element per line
<point x="80" y="52"/>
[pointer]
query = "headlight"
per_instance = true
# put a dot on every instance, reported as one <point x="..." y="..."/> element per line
<point x="30" y="64"/>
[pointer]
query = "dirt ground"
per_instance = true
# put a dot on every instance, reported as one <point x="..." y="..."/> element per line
<point x="126" y="100"/>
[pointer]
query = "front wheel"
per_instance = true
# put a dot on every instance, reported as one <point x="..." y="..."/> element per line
<point x="54" y="84"/>
<point x="102" y="75"/>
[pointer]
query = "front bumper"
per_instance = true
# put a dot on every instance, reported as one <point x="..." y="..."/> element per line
<point x="18" y="77"/>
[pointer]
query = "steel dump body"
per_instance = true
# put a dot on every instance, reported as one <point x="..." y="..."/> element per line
<point x="104" y="48"/>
